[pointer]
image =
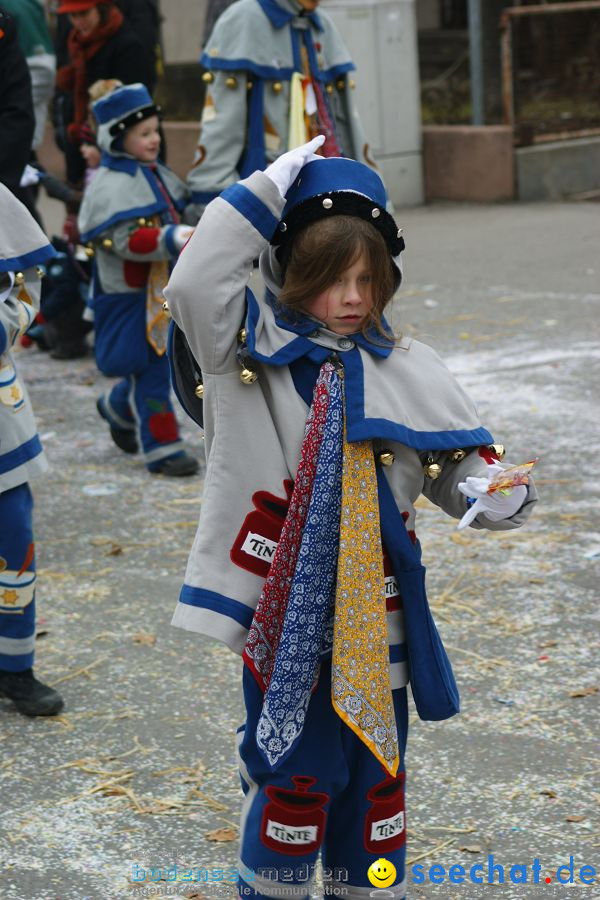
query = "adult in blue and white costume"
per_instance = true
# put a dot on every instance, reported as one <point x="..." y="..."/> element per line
<point x="278" y="73"/>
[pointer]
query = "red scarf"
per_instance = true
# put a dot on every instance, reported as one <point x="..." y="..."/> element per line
<point x="73" y="77"/>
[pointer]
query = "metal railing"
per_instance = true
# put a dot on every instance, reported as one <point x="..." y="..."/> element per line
<point x="534" y="132"/>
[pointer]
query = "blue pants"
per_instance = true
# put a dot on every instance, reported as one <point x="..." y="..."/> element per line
<point x="142" y="402"/>
<point x="17" y="580"/>
<point x="330" y="795"/>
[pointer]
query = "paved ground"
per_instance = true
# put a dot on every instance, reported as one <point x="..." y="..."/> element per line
<point x="139" y="771"/>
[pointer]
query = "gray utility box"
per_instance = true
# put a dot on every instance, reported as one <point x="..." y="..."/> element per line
<point x="381" y="36"/>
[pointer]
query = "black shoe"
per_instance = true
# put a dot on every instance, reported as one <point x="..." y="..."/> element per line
<point x="30" y="696"/>
<point x="124" y="438"/>
<point x="177" y="466"/>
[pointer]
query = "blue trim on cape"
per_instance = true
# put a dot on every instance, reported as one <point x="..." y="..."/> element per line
<point x="271" y="73"/>
<point x="27" y="260"/>
<point x="20" y="455"/>
<point x="159" y="206"/>
<point x="3" y="339"/>
<point x="225" y="606"/>
<point x="254" y="210"/>
<point x="279" y="17"/>
<point x="255" y="153"/>
<point x="125" y="164"/>
<point x="360" y="428"/>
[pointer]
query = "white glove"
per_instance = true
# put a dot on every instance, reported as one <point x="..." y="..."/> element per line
<point x="496" y="506"/>
<point x="29" y="176"/>
<point x="181" y="236"/>
<point x="283" y="171"/>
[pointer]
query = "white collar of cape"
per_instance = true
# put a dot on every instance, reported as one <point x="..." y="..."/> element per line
<point x="122" y="189"/>
<point x="400" y="392"/>
<point x="253" y="36"/>
<point x="23" y="244"/>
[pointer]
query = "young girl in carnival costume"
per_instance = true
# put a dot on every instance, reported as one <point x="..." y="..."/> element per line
<point x="306" y="560"/>
<point x="24" y="251"/>
<point x="130" y="216"/>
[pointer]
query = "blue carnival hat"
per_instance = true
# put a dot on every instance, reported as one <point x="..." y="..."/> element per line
<point x="335" y="186"/>
<point x="119" y="110"/>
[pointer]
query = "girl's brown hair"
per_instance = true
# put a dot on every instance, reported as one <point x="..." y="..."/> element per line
<point x="325" y="249"/>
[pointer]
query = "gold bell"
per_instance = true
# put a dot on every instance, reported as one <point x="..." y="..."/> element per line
<point x="386" y="457"/>
<point x="248" y="376"/>
<point x="329" y="88"/>
<point x="142" y="223"/>
<point x="351" y="84"/>
<point x="458" y="455"/>
<point x="340" y="84"/>
<point x="231" y="82"/>
<point x="166" y="309"/>
<point x="498" y="450"/>
<point x="89" y="250"/>
<point x="242" y="335"/>
<point x="199" y="391"/>
<point x="249" y="85"/>
<point x="208" y="78"/>
<point x="277" y="87"/>
<point x="19" y="278"/>
<point x="40" y="271"/>
<point x="107" y="244"/>
<point x="432" y="470"/>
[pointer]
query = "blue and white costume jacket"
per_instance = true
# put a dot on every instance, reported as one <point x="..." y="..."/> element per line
<point x="251" y="56"/>
<point x="402" y="398"/>
<point x="24" y="250"/>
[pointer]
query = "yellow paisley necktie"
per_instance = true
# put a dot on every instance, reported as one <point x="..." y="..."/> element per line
<point x="361" y="688"/>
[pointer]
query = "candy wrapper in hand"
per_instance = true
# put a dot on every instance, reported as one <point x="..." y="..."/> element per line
<point x="512" y="477"/>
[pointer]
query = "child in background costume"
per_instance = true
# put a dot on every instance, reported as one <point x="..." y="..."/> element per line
<point x="130" y="213"/>
<point x="316" y="453"/>
<point x="278" y="74"/>
<point x="24" y="248"/>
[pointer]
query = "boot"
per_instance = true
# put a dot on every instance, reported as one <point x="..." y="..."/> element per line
<point x="124" y="438"/>
<point x="176" y="466"/>
<point x="30" y="696"/>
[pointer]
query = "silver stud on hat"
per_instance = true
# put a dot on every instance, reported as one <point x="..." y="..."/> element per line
<point x="327" y="203"/>
<point x="121" y="126"/>
<point x="375" y="213"/>
<point x="139" y="114"/>
<point x="399" y="234"/>
<point x="282" y="226"/>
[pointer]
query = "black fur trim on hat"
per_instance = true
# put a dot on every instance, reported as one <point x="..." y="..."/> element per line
<point x="134" y="118"/>
<point x="343" y="203"/>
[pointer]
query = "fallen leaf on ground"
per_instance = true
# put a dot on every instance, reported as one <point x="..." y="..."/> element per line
<point x="143" y="637"/>
<point x="221" y="834"/>
<point x="471" y="848"/>
<point x="584" y="692"/>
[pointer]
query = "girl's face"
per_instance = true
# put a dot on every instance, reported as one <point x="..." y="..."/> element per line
<point x="345" y="305"/>
<point x="85" y="21"/>
<point x="143" y="140"/>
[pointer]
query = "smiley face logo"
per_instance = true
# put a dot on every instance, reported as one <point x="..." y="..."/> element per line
<point x="381" y="873"/>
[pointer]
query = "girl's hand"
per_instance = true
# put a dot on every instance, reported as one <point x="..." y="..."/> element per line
<point x="495" y="506"/>
<point x="284" y="170"/>
<point x="91" y="154"/>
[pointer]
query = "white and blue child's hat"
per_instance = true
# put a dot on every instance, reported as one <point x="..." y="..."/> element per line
<point x="335" y="186"/>
<point x="118" y="111"/>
